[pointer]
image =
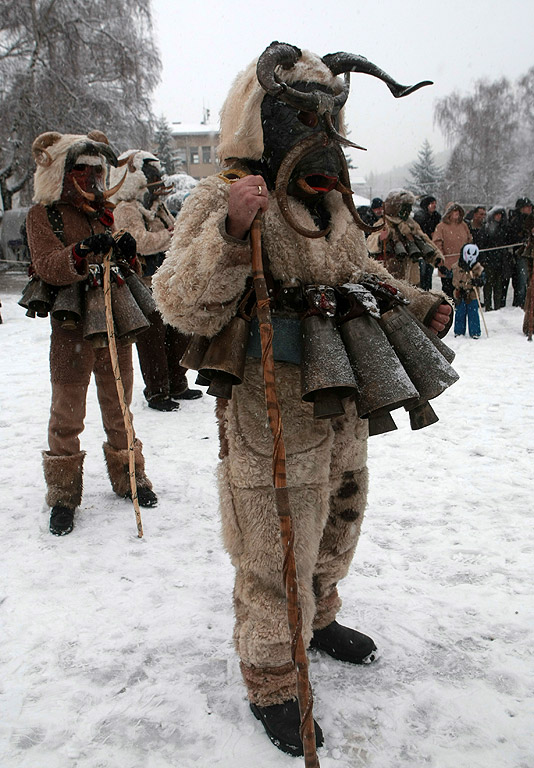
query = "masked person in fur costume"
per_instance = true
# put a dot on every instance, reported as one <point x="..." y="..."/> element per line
<point x="287" y="100"/>
<point x="69" y="231"/>
<point x="141" y="212"/>
<point x="401" y="244"/>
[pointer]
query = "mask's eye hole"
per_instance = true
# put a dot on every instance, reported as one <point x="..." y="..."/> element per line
<point x="80" y="167"/>
<point x="309" y="119"/>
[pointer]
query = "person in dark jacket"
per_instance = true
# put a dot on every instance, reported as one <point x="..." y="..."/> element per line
<point x="520" y="225"/>
<point x="371" y="213"/>
<point x="475" y="221"/>
<point x="495" y="233"/>
<point x="428" y="219"/>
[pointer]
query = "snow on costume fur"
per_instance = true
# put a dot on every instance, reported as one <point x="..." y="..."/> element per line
<point x="198" y="289"/>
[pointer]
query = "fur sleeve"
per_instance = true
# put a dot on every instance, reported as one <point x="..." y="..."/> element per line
<point x="129" y="216"/>
<point x="51" y="260"/>
<point x="198" y="286"/>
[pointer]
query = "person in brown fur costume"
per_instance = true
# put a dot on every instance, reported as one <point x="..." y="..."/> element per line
<point x="401" y="244"/>
<point x="69" y="229"/>
<point x="199" y="289"/>
<point x="141" y="212"/>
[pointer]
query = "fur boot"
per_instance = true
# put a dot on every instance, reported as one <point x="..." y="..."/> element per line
<point x="118" y="468"/>
<point x="64" y="479"/>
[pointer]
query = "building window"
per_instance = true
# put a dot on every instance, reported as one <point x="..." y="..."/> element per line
<point x="193" y="156"/>
<point x="206" y="155"/>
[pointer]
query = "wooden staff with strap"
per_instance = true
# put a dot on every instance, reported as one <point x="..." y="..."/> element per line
<point x="120" y="390"/>
<point x="281" y="495"/>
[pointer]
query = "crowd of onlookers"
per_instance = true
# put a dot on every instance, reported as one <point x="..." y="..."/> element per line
<point x="502" y="237"/>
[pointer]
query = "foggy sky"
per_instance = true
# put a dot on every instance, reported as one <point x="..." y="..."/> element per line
<point x="203" y="46"/>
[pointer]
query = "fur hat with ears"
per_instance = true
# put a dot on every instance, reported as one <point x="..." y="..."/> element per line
<point x="135" y="183"/>
<point x="241" y="133"/>
<point x="50" y="151"/>
<point x="395" y="198"/>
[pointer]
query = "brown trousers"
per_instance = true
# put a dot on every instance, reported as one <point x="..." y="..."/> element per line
<point x="160" y="349"/>
<point x="72" y="361"/>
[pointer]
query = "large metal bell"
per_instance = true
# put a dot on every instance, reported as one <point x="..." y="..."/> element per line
<point x="382" y="384"/>
<point x="68" y="306"/>
<point x="413" y="250"/>
<point x="127" y="315"/>
<point x="223" y="363"/>
<point x="440" y="345"/>
<point x="194" y="352"/>
<point x="428" y="369"/>
<point x="94" y="317"/>
<point x="38" y="298"/>
<point x="381" y="422"/>
<point x="326" y="373"/>
<point x="142" y="294"/>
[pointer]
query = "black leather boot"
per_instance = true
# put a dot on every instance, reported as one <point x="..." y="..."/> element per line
<point x="145" y="496"/>
<point x="344" y="644"/>
<point x="282" y="724"/>
<point x="61" y="520"/>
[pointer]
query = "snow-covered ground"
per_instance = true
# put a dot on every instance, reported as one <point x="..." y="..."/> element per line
<point x="116" y="651"/>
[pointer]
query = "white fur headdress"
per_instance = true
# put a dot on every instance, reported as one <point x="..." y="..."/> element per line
<point x="50" y="153"/>
<point x="135" y="183"/>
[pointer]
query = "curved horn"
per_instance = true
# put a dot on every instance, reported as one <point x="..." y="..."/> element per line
<point x="39" y="147"/>
<point x="341" y="62"/>
<point x="113" y="191"/>
<point x="98" y="136"/>
<point x="294" y="156"/>
<point x="106" y="151"/>
<point x="82" y="192"/>
<point x="286" y="56"/>
<point x="333" y="134"/>
<point x="343" y="186"/>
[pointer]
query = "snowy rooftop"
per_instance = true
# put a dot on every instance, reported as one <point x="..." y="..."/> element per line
<point x="193" y="128"/>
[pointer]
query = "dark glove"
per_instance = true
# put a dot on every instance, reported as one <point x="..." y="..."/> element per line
<point x="478" y="281"/>
<point x="100" y="243"/>
<point x="126" y="247"/>
<point x="443" y="270"/>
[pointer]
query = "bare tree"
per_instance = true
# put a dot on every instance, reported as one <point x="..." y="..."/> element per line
<point x="481" y="128"/>
<point x="71" y="66"/>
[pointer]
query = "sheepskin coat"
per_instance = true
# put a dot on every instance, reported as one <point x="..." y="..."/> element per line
<point x="197" y="289"/>
<point x="402" y="268"/>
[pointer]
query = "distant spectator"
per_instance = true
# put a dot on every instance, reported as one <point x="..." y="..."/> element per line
<point x="520" y="226"/>
<point x="475" y="221"/>
<point x="495" y="233"/>
<point x="371" y="213"/>
<point x="467" y="277"/>
<point x="451" y="233"/>
<point x="428" y="218"/>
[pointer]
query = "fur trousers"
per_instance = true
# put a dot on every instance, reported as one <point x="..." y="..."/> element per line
<point x="327" y="481"/>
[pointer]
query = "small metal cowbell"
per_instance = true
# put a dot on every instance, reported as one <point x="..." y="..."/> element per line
<point x="223" y="364"/>
<point x="142" y="294"/>
<point x="326" y="373"/>
<point x="382" y="383"/>
<point x="94" y="318"/>
<point x="127" y="315"/>
<point x="68" y="306"/>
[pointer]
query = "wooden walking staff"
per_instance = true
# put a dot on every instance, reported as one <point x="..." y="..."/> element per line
<point x="120" y="390"/>
<point x="479" y="304"/>
<point x="281" y="495"/>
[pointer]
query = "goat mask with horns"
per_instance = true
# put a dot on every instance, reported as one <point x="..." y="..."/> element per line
<point x="285" y="114"/>
<point x="72" y="168"/>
